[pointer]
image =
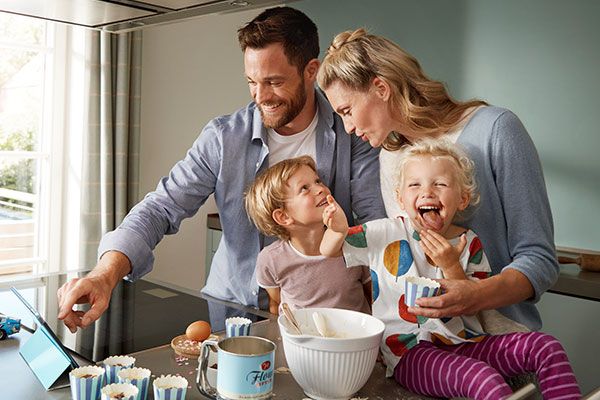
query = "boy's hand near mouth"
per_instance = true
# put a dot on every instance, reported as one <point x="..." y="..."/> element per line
<point x="337" y="229"/>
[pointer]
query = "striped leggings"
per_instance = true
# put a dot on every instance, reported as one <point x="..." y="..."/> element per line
<point x="477" y="370"/>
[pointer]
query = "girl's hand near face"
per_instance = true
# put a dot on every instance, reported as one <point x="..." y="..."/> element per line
<point x="443" y="254"/>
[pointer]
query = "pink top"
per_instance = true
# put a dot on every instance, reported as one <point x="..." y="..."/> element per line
<point x="311" y="281"/>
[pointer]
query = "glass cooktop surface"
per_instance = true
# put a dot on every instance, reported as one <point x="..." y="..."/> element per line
<point x="141" y="315"/>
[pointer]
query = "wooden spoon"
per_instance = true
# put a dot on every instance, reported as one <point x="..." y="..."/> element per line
<point x="321" y="324"/>
<point x="290" y="317"/>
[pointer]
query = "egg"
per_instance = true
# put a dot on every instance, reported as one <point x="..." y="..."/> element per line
<point x="198" y="331"/>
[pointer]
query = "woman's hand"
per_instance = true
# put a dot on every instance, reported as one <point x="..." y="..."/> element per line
<point x="460" y="297"/>
<point x="467" y="297"/>
<point x="443" y="254"/>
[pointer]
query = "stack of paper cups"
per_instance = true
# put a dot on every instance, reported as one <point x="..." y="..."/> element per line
<point x="86" y="382"/>
<point x="237" y="326"/>
<point x="121" y="391"/>
<point x="169" y="387"/>
<point x="139" y="377"/>
<point x="114" y="364"/>
<point x="416" y="287"/>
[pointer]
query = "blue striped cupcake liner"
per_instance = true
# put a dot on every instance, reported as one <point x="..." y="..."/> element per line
<point x="169" y="387"/>
<point x="417" y="287"/>
<point x="121" y="391"/>
<point x="86" y="388"/>
<point x="237" y="326"/>
<point x="114" y="364"/>
<point x="139" y="377"/>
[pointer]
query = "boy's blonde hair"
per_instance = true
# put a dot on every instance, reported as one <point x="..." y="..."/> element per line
<point x="443" y="148"/>
<point x="268" y="193"/>
<point x="355" y="58"/>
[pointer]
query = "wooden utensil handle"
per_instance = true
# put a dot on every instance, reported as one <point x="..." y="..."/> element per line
<point x="290" y="316"/>
<point x="568" y="260"/>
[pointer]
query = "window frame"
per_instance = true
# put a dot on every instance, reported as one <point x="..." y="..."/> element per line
<point x="51" y="163"/>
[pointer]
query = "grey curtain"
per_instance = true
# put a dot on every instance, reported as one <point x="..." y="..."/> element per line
<point x="110" y="165"/>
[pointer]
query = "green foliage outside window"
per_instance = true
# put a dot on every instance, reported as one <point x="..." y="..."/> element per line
<point x="21" y="41"/>
<point x="19" y="175"/>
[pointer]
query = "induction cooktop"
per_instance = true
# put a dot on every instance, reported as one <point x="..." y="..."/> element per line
<point x="141" y="315"/>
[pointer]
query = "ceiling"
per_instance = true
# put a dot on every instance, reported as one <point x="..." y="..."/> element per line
<point x="125" y="15"/>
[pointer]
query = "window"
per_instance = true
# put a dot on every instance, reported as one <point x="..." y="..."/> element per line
<point x="35" y="65"/>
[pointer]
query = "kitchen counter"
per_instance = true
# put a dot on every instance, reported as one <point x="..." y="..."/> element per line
<point x="284" y="385"/>
<point x="18" y="382"/>
<point x="575" y="282"/>
<point x="572" y="280"/>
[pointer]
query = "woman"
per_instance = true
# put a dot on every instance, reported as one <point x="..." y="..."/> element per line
<point x="384" y="97"/>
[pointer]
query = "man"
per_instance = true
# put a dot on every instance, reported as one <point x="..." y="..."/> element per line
<point x="287" y="118"/>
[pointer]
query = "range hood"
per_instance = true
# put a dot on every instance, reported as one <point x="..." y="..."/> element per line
<point x="124" y="15"/>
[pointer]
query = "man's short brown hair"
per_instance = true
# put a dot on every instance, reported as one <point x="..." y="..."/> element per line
<point x="292" y="28"/>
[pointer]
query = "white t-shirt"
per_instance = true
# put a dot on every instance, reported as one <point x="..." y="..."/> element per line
<point x="302" y="143"/>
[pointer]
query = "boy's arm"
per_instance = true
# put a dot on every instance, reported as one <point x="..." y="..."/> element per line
<point x="337" y="229"/>
<point x="266" y="277"/>
<point x="331" y="245"/>
<point x="274" y="300"/>
<point x="443" y="254"/>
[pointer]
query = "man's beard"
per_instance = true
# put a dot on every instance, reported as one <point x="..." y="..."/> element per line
<point x="291" y="109"/>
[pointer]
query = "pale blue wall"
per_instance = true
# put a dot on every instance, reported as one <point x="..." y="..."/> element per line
<point x="539" y="58"/>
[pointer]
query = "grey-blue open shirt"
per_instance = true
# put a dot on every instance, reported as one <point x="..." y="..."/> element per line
<point x="223" y="161"/>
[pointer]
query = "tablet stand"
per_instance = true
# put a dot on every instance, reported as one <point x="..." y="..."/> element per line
<point x="46" y="360"/>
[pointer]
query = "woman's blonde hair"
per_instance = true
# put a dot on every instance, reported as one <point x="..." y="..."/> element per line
<point x="268" y="193"/>
<point x="442" y="148"/>
<point x="355" y="58"/>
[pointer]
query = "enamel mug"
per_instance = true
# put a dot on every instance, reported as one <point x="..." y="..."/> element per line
<point x="245" y="368"/>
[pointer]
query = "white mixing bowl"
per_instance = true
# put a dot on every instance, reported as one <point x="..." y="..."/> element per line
<point x="328" y="368"/>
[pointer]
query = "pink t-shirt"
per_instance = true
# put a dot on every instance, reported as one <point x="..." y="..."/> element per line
<point x="311" y="281"/>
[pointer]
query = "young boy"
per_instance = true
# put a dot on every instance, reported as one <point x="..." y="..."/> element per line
<point x="287" y="201"/>
<point x="446" y="357"/>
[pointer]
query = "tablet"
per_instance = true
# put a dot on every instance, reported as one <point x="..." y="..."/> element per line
<point x="46" y="328"/>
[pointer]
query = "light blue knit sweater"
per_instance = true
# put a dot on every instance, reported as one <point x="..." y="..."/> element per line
<point x="513" y="220"/>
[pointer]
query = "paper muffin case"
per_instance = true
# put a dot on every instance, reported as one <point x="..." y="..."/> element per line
<point x="121" y="391"/>
<point x="170" y="387"/>
<point x="237" y="326"/>
<point x="86" y="388"/>
<point x="139" y="377"/>
<point x="417" y="287"/>
<point x="114" y="364"/>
